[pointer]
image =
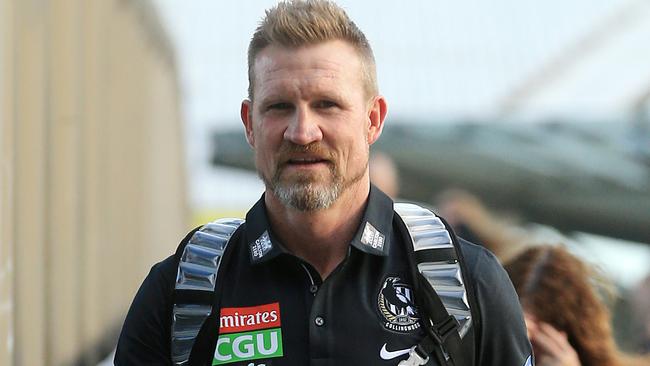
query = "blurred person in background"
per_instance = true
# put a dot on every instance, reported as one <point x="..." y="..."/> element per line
<point x="568" y="322"/>
<point x="641" y="305"/>
<point x="471" y="220"/>
<point x="384" y="174"/>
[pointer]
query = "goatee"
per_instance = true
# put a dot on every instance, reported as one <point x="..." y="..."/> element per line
<point x="308" y="192"/>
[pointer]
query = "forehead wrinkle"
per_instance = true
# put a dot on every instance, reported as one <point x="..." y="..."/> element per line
<point x="271" y="65"/>
<point x="279" y="60"/>
<point x="284" y="83"/>
<point x="304" y="73"/>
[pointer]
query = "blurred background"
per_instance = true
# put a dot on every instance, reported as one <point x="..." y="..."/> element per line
<point x="523" y="122"/>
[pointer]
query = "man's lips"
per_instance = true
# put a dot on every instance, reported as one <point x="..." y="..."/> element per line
<point x="305" y="161"/>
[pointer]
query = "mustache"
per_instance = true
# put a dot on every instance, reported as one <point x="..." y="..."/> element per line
<point x="289" y="150"/>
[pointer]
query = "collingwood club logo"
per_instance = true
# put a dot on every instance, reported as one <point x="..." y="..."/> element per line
<point x="397" y="307"/>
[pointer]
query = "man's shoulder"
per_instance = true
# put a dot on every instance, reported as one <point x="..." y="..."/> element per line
<point x="159" y="282"/>
<point x="477" y="258"/>
<point x="165" y="270"/>
<point x="483" y="268"/>
<point x="145" y="334"/>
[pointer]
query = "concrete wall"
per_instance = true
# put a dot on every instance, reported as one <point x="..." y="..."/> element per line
<point x="92" y="176"/>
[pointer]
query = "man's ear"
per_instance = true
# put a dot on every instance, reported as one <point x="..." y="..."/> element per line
<point x="246" y="114"/>
<point x="376" y="115"/>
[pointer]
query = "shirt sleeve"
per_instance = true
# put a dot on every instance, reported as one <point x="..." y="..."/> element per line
<point x="502" y="334"/>
<point x="145" y="336"/>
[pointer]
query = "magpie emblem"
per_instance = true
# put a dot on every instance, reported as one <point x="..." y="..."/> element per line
<point x="397" y="306"/>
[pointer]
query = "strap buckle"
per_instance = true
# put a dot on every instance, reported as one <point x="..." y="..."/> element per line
<point x="415" y="358"/>
<point x="441" y="331"/>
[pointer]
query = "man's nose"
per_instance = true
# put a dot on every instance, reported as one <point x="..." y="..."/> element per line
<point x="303" y="128"/>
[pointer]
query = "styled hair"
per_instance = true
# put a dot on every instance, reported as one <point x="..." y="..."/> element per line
<point x="298" y="23"/>
<point x="557" y="288"/>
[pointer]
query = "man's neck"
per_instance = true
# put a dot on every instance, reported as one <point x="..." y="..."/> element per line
<point x="320" y="237"/>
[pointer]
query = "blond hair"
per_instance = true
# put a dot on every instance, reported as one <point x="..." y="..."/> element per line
<point x="297" y="23"/>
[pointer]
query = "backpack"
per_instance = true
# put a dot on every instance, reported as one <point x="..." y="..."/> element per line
<point x="440" y="286"/>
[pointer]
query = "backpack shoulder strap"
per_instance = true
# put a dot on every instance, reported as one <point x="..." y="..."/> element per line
<point x="440" y="286"/>
<point x="195" y="282"/>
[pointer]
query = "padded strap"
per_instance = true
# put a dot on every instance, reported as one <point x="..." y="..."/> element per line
<point x="442" y="290"/>
<point x="195" y="282"/>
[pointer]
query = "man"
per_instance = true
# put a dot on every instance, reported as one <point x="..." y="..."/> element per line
<point x="320" y="272"/>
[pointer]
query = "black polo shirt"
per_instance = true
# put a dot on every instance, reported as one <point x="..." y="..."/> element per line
<point x="276" y="310"/>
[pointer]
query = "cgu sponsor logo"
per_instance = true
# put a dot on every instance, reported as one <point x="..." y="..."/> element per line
<point x="248" y="346"/>
<point x="248" y="333"/>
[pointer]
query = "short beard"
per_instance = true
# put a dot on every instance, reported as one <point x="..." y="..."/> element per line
<point x="307" y="194"/>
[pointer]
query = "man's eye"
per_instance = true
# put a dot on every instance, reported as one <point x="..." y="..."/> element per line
<point x="325" y="104"/>
<point x="279" y="106"/>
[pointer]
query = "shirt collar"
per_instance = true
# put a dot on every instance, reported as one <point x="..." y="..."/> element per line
<point x="372" y="236"/>
<point x="376" y="227"/>
<point x="259" y="237"/>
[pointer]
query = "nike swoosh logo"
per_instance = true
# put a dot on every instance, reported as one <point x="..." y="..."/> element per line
<point x="529" y="361"/>
<point x="389" y="355"/>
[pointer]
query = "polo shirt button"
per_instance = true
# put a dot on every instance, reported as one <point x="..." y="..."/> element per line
<point x="319" y="321"/>
<point x="313" y="289"/>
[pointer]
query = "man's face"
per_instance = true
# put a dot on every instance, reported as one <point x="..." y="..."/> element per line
<point x="311" y="122"/>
